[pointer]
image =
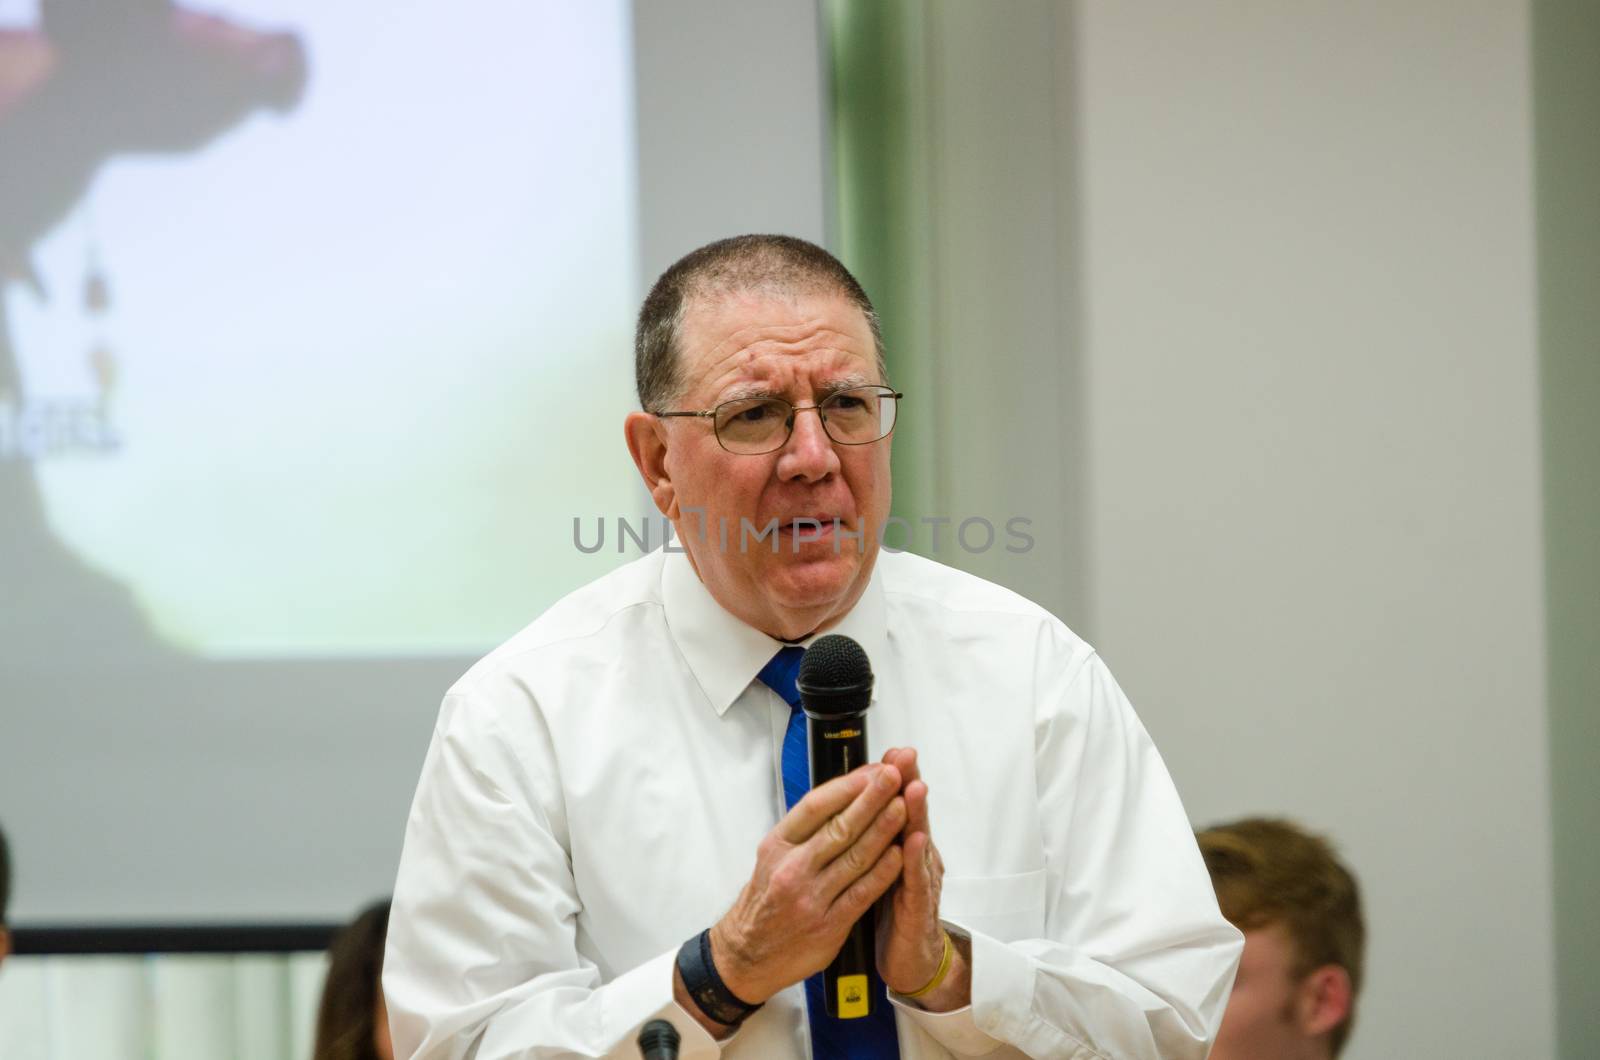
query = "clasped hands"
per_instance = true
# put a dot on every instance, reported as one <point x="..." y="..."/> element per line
<point x="843" y="846"/>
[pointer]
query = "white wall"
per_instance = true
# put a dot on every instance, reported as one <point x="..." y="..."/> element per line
<point x="1279" y="425"/>
<point x="1312" y="453"/>
<point x="730" y="119"/>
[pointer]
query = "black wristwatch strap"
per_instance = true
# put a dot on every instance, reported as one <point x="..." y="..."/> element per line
<point x="700" y="977"/>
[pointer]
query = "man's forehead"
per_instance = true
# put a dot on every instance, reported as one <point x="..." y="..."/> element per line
<point x="725" y="333"/>
<point x="727" y="317"/>
<point x="1271" y="945"/>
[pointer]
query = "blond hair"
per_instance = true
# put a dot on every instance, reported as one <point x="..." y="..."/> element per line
<point x="1270" y="871"/>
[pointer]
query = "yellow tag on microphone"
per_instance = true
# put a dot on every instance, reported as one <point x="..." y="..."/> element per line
<point x="853" y="993"/>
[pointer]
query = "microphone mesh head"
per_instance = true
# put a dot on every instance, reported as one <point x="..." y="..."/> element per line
<point x="834" y="661"/>
<point x="659" y="1038"/>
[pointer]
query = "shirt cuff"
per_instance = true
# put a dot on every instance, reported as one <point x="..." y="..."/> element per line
<point x="643" y="994"/>
<point x="958" y="1030"/>
<point x="1002" y="989"/>
<point x="955" y="1030"/>
<point x="1002" y="1002"/>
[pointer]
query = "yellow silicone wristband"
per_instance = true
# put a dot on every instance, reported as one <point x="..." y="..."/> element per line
<point x="944" y="968"/>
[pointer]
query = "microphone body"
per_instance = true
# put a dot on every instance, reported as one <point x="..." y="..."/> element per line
<point x="835" y="685"/>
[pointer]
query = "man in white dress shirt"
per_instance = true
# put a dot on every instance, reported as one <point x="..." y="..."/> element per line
<point x="608" y="783"/>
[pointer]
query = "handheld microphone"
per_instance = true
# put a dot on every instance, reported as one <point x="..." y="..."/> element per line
<point x="658" y="1041"/>
<point x="835" y="683"/>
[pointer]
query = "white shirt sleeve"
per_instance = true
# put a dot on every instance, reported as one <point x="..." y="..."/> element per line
<point x="482" y="958"/>
<point x="1137" y="962"/>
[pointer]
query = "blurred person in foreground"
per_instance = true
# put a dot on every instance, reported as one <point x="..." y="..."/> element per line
<point x="610" y="827"/>
<point x="5" y="896"/>
<point x="1304" y="940"/>
<point x="352" y="1021"/>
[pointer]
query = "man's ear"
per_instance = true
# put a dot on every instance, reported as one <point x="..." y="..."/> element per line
<point x="1324" y="1000"/>
<point x="647" y="444"/>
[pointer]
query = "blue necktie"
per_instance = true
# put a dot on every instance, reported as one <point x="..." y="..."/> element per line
<point x="873" y="1037"/>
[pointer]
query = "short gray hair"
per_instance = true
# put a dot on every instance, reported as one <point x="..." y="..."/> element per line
<point x="779" y="264"/>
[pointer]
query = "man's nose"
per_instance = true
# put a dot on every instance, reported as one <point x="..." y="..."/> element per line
<point x="809" y="452"/>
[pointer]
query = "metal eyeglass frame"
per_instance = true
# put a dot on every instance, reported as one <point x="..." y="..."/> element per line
<point x="884" y="391"/>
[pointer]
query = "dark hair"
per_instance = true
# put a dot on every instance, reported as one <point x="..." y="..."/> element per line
<point x="777" y="264"/>
<point x="350" y="995"/>
<point x="1271" y="871"/>
<point x="5" y="877"/>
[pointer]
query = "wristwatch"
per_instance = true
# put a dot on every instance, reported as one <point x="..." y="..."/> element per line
<point x="700" y="978"/>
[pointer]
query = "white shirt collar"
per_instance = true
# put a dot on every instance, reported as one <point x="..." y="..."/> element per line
<point x="725" y="654"/>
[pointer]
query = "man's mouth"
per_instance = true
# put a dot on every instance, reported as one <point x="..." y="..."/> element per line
<point x="810" y="527"/>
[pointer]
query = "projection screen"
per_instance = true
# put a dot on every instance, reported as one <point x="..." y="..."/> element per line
<point x="315" y="338"/>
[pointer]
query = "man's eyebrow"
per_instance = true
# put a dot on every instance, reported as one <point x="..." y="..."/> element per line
<point x="748" y="390"/>
<point x="745" y="391"/>
<point x="849" y="382"/>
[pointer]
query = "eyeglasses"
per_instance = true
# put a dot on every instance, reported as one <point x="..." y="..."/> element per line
<point x="755" y="425"/>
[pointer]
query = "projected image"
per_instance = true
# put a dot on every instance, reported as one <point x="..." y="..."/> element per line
<point x="314" y="323"/>
<point x="76" y="91"/>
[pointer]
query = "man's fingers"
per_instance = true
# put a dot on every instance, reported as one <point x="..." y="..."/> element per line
<point x="916" y="848"/>
<point x="917" y="873"/>
<point x="823" y="802"/>
<point x="914" y="787"/>
<point x="869" y="888"/>
<point x="905" y="760"/>
<point x="840" y="831"/>
<point x="865" y="851"/>
<point x="908" y="764"/>
<point x="916" y="792"/>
